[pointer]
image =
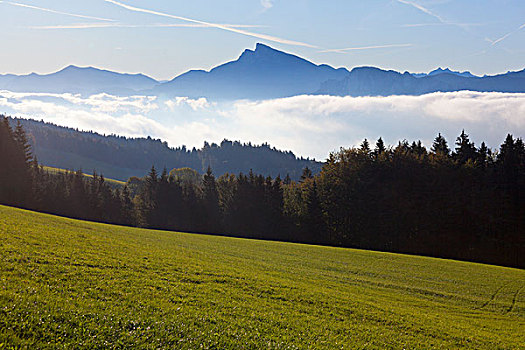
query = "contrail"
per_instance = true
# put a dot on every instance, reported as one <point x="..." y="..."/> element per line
<point x="121" y="25"/>
<point x="57" y="12"/>
<point x="494" y="42"/>
<point x="422" y="9"/>
<point x="366" y="48"/>
<point x="434" y="24"/>
<point x="214" y="25"/>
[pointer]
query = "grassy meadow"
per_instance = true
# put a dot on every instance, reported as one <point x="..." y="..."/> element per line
<point x="111" y="182"/>
<point x="73" y="284"/>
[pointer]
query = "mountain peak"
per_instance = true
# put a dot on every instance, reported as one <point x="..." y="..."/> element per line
<point x="73" y="68"/>
<point x="263" y="47"/>
<point x="262" y="50"/>
<point x="440" y="70"/>
<point x="264" y="54"/>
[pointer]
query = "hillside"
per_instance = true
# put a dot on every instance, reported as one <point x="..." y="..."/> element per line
<point x="120" y="158"/>
<point x="71" y="283"/>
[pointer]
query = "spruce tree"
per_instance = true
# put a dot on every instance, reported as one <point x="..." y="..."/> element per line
<point x="465" y="149"/>
<point x="440" y="146"/>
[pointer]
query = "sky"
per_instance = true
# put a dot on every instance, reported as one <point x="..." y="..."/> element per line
<point x="163" y="39"/>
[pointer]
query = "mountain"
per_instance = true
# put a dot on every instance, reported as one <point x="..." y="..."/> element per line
<point x="371" y="81"/>
<point x="260" y="73"/>
<point x="84" y="80"/>
<point x="119" y="157"/>
<point x="440" y="70"/>
<point x="264" y="73"/>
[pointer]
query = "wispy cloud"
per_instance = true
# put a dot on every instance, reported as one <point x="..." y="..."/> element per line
<point x="345" y="50"/>
<point x="123" y="25"/>
<point x="267" y="4"/>
<point x="214" y="25"/>
<point x="56" y="12"/>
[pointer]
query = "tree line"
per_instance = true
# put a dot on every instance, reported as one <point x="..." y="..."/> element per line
<point x="120" y="157"/>
<point x="464" y="203"/>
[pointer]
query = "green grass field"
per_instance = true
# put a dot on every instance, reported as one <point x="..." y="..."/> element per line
<point x="74" y="284"/>
<point x="111" y="182"/>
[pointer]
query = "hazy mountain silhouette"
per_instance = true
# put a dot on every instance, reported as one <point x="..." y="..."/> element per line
<point x="260" y="73"/>
<point x="85" y="80"/>
<point x="265" y="73"/>
<point x="371" y="81"/>
<point x="440" y="70"/>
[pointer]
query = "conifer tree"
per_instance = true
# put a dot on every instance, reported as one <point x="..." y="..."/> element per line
<point x="465" y="149"/>
<point x="211" y="201"/>
<point x="440" y="146"/>
<point x="307" y="174"/>
<point x="365" y="146"/>
<point x="380" y="147"/>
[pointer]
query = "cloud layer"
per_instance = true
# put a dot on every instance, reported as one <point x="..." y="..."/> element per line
<point x="308" y="125"/>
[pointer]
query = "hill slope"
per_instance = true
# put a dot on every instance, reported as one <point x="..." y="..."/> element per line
<point x="71" y="283"/>
<point x="120" y="158"/>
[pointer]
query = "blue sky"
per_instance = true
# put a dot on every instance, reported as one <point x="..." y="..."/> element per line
<point x="485" y="37"/>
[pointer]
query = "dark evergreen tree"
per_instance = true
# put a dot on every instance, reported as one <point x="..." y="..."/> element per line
<point x="365" y="146"/>
<point x="211" y="202"/>
<point x="307" y="174"/>
<point x="465" y="149"/>
<point x="440" y="146"/>
<point x="380" y="147"/>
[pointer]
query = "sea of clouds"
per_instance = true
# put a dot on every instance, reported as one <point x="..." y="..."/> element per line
<point x="310" y="126"/>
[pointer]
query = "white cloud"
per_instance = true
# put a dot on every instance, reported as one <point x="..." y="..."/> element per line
<point x="307" y="125"/>
<point x="100" y="102"/>
<point x="316" y="125"/>
<point x="195" y="104"/>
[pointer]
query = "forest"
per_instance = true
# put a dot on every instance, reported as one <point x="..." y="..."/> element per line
<point x="461" y="201"/>
<point x="121" y="157"/>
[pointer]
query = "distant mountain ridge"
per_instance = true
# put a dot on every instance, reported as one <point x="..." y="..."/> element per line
<point x="371" y="81"/>
<point x="84" y="80"/>
<point x="260" y="73"/>
<point x="440" y="70"/>
<point x="265" y="73"/>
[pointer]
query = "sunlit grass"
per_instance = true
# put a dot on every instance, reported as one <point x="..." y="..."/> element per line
<point x="53" y="170"/>
<point x="69" y="284"/>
